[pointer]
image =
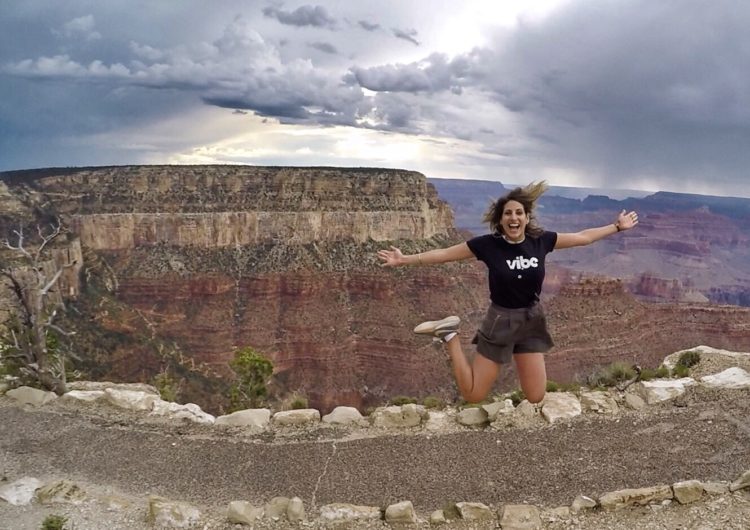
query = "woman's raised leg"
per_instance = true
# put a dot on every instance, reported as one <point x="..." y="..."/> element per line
<point x="474" y="380"/>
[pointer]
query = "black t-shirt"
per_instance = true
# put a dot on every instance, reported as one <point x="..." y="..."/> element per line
<point x="516" y="271"/>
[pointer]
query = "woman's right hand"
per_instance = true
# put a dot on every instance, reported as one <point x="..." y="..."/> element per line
<point x="391" y="258"/>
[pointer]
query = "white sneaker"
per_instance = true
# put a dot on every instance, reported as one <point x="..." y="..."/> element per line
<point x="439" y="328"/>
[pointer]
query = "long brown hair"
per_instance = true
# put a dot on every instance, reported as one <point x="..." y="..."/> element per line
<point x="527" y="196"/>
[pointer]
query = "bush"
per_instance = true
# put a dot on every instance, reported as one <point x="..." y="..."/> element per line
<point x="402" y="400"/>
<point x="610" y="375"/>
<point x="517" y="396"/>
<point x="552" y="386"/>
<point x="252" y="373"/>
<point x="433" y="402"/>
<point x="688" y="359"/>
<point x="298" y="403"/>
<point x="54" y="522"/>
<point x="647" y="374"/>
<point x="166" y="385"/>
<point x="680" y="371"/>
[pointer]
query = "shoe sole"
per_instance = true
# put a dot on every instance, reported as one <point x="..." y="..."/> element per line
<point x="429" y="328"/>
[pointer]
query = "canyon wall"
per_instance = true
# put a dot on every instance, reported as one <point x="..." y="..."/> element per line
<point x="215" y="258"/>
<point x="280" y="259"/>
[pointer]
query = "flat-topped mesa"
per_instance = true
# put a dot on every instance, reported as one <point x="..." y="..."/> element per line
<point x="117" y="208"/>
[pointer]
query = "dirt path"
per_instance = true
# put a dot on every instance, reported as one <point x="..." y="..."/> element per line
<point x="704" y="435"/>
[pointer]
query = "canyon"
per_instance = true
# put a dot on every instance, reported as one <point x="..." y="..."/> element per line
<point x="182" y="265"/>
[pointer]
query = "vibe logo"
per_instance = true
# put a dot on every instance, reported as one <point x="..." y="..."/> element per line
<point x="521" y="263"/>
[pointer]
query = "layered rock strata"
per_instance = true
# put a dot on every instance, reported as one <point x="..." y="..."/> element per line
<point x="279" y="259"/>
<point x="213" y="258"/>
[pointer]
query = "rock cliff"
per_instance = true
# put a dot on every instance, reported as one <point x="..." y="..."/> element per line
<point x="184" y="264"/>
<point x="280" y="259"/>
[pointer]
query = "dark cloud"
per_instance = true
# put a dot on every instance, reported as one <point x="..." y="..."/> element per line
<point x="239" y="70"/>
<point x="433" y="74"/>
<point x="650" y="88"/>
<point x="307" y="15"/>
<point x="324" y="47"/>
<point x="609" y="90"/>
<point x="406" y="34"/>
<point x="369" y="26"/>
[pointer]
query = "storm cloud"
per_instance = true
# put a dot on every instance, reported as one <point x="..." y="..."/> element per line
<point x="622" y="93"/>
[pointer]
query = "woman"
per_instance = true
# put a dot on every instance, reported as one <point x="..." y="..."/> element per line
<point x="515" y="326"/>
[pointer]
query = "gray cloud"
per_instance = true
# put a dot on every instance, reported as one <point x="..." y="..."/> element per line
<point x="432" y="74"/>
<point x="612" y="91"/>
<point x="324" y="47"/>
<point x="369" y="26"/>
<point x="80" y="27"/>
<point x="307" y="15"/>
<point x="239" y="70"/>
<point x="407" y="35"/>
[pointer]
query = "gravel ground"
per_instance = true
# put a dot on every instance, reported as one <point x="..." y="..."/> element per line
<point x="703" y="435"/>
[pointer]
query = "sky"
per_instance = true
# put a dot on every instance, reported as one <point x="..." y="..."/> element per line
<point x="626" y="94"/>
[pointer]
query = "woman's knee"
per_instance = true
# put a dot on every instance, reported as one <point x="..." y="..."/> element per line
<point x="475" y="396"/>
<point x="535" y="396"/>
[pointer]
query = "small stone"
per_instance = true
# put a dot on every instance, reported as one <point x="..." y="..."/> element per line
<point x="716" y="488"/>
<point x="472" y="416"/>
<point x="634" y="401"/>
<point x="437" y="517"/>
<point x="31" y="396"/>
<point x="20" y="492"/>
<point x="276" y="508"/>
<point x="687" y="491"/>
<point x="242" y="512"/>
<point x="474" y="511"/>
<point x="581" y="503"/>
<point x="742" y="482"/>
<point x="171" y="514"/>
<point x="619" y="499"/>
<point x="61" y="492"/>
<point x="401" y="513"/>
<point x="295" y="511"/>
<point x="521" y="517"/>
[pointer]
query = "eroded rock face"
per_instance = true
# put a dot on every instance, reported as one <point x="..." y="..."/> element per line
<point x="279" y="259"/>
<point x="214" y="258"/>
<point x="218" y="206"/>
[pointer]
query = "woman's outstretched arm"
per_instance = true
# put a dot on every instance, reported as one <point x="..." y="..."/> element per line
<point x="394" y="257"/>
<point x="625" y="221"/>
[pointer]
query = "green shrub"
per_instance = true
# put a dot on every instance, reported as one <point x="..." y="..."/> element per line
<point x="610" y="375"/>
<point x="252" y="373"/>
<point x="54" y="522"/>
<point x="166" y="385"/>
<point x="403" y="400"/>
<point x="298" y="403"/>
<point x="573" y="387"/>
<point x="433" y="402"/>
<point x="680" y="371"/>
<point x="552" y="386"/>
<point x="647" y="374"/>
<point x="517" y="396"/>
<point x="689" y="358"/>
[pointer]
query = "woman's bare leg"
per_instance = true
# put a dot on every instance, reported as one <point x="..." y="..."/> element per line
<point x="476" y="379"/>
<point x="532" y="374"/>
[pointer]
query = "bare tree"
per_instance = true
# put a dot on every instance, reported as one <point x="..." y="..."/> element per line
<point x="32" y="334"/>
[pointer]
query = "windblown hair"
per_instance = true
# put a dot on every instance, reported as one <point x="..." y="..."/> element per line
<point x="527" y="196"/>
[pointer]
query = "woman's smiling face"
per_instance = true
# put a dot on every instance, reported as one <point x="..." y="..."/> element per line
<point x="514" y="220"/>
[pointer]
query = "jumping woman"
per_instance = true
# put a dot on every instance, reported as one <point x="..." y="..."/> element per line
<point x="514" y="326"/>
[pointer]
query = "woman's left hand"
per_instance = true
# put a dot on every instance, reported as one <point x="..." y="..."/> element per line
<point x="626" y="221"/>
